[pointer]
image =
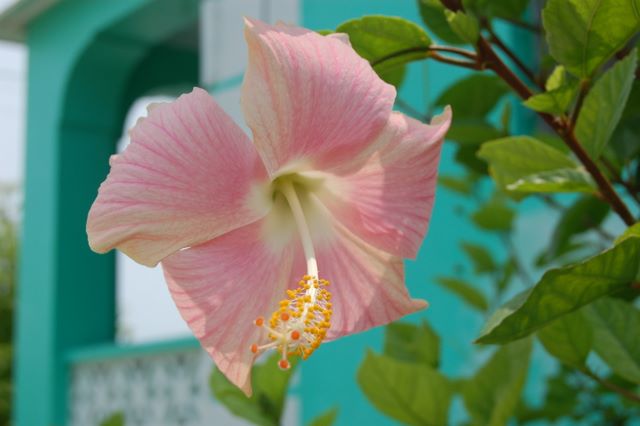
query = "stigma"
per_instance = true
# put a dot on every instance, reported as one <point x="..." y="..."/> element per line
<point x="300" y="324"/>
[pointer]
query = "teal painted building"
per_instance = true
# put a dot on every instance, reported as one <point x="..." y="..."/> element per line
<point x="89" y="61"/>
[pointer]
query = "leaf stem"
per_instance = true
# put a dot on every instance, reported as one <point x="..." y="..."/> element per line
<point x="611" y="386"/>
<point x="398" y="54"/>
<point x="495" y="39"/>
<point x="450" y="49"/>
<point x="426" y="51"/>
<point x="464" y="64"/>
<point x="584" y="88"/>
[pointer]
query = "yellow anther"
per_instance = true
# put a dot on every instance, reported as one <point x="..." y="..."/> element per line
<point x="299" y="323"/>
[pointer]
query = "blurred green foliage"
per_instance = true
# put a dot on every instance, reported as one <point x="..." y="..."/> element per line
<point x="116" y="419"/>
<point x="266" y="405"/>
<point x="8" y="276"/>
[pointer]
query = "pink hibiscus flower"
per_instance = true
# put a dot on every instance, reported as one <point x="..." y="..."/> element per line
<point x="336" y="187"/>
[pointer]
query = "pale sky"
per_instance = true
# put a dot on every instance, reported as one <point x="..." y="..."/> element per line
<point x="12" y="90"/>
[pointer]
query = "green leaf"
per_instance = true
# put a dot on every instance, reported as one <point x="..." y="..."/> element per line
<point x="481" y="258"/>
<point x="474" y="96"/>
<point x="515" y="157"/>
<point x="616" y="336"/>
<point x="554" y="102"/>
<point x="116" y="419"/>
<point x="583" y="215"/>
<point x="553" y="141"/>
<point x="563" y="290"/>
<point x="560" y="91"/>
<point x="432" y="12"/>
<point x="461" y="185"/>
<point x="328" y="418"/>
<point x="556" y="79"/>
<point x="412" y="343"/>
<point x="411" y="393"/>
<point x="560" y="180"/>
<point x="525" y="164"/>
<point x="466" y="155"/>
<point x="508" y="9"/>
<point x="492" y="394"/>
<point x="377" y="37"/>
<point x="6" y="361"/>
<point x="624" y="140"/>
<point x="494" y="215"/>
<point x="269" y="392"/>
<point x="604" y="105"/>
<point x="568" y="338"/>
<point x="464" y="25"/>
<point x="632" y="231"/>
<point x="465" y="291"/>
<point x="583" y="34"/>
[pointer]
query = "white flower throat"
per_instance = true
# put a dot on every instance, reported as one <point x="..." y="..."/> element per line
<point x="300" y="324"/>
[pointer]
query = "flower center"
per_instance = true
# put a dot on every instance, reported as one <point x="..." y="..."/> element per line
<point x="301" y="322"/>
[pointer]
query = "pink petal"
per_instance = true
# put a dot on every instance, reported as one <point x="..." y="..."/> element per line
<point x="184" y="179"/>
<point x="310" y="98"/>
<point x="387" y="201"/>
<point x="221" y="287"/>
<point x="367" y="284"/>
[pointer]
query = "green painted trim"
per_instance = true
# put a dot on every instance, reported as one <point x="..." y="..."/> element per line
<point x="119" y="351"/>
<point x="83" y="56"/>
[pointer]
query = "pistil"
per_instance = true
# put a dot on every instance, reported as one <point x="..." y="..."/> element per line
<point x="303" y="318"/>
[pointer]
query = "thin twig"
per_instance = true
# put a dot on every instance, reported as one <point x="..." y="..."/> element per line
<point x="426" y="51"/>
<point x="494" y="62"/>
<point x="521" y="65"/>
<point x="584" y="89"/>
<point x="612" y="386"/>
<point x="537" y="29"/>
